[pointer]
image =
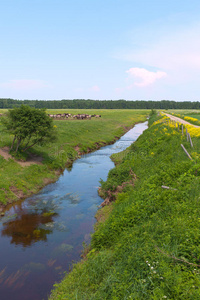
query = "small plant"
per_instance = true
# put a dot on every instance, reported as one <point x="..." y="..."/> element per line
<point x="19" y="155"/>
<point x="153" y="112"/>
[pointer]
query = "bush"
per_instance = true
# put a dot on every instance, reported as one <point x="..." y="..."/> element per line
<point x="29" y="126"/>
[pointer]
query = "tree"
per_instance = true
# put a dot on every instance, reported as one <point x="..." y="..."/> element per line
<point x="29" y="126"/>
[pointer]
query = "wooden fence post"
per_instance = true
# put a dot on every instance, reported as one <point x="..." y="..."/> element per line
<point x="187" y="135"/>
<point x="190" y="141"/>
<point x="186" y="152"/>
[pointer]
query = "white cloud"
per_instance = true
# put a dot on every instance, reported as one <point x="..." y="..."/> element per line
<point x="95" y="88"/>
<point x="24" y="84"/>
<point x="146" y="77"/>
<point x="176" y="52"/>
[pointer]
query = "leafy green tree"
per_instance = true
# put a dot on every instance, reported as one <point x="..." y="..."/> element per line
<point x="29" y="126"/>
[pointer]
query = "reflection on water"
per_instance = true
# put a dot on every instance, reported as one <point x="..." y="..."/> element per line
<point x="25" y="229"/>
<point x="43" y="235"/>
<point x="36" y="220"/>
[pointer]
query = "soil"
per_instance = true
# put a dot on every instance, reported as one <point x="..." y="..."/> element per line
<point x="17" y="192"/>
<point x="112" y="195"/>
<point x="31" y="160"/>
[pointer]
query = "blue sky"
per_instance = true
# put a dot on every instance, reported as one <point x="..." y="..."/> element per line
<point x="100" y="49"/>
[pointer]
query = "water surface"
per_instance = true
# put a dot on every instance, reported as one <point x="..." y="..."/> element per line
<point x="43" y="235"/>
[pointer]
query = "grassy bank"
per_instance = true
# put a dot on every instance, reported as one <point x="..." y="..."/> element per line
<point x="147" y="247"/>
<point x="73" y="137"/>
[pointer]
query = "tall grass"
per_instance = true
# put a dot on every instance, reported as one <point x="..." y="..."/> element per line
<point x="148" y="247"/>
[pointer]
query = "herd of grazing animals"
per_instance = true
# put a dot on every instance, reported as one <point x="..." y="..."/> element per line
<point x="70" y="116"/>
<point x="78" y="116"/>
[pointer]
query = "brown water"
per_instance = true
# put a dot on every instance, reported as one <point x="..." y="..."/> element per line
<point x="43" y="235"/>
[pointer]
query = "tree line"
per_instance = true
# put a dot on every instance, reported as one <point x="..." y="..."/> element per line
<point x="100" y="104"/>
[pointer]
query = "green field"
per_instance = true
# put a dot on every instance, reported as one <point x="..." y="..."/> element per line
<point x="193" y="113"/>
<point x="147" y="246"/>
<point x="73" y="136"/>
<point x="191" y="116"/>
<point x="184" y="111"/>
<point x="197" y="116"/>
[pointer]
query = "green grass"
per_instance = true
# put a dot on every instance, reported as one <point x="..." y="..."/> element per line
<point x="86" y="134"/>
<point x="195" y="115"/>
<point x="183" y="111"/>
<point x="191" y="117"/>
<point x="148" y="247"/>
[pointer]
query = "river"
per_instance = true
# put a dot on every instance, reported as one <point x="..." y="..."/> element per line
<point x="43" y="235"/>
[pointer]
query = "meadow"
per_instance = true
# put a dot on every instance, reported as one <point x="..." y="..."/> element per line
<point x="146" y="243"/>
<point x="193" y="113"/>
<point x="73" y="138"/>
